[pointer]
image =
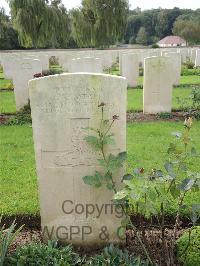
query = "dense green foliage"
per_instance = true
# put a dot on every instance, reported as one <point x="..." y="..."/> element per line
<point x="51" y="254"/>
<point x="40" y="23"/>
<point x="96" y="23"/>
<point x="8" y="36"/>
<point x="99" y="23"/>
<point x="191" y="256"/>
<point x="7" y="237"/>
<point x="41" y="254"/>
<point x="188" y="27"/>
<point x="158" y="23"/>
<point x="113" y="256"/>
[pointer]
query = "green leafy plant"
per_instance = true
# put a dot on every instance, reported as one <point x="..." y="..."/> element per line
<point x="141" y="71"/>
<point x="21" y="117"/>
<point x="191" y="104"/>
<point x="148" y="192"/>
<point x="155" y="45"/>
<point x="113" y="256"/>
<point x="164" y="115"/>
<point x="189" y="64"/>
<point x="7" y="237"/>
<point x="43" y="255"/>
<point x="188" y="247"/>
<point x="189" y="71"/>
<point x="110" y="164"/>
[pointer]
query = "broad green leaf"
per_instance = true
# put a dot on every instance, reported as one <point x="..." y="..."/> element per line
<point x="122" y="156"/>
<point x="94" y="142"/>
<point x="169" y="169"/>
<point x="93" y="180"/>
<point x="102" y="162"/>
<point x="113" y="163"/>
<point x="127" y="177"/>
<point x="108" y="140"/>
<point x="108" y="176"/>
<point x="121" y="194"/>
<point x="109" y="186"/>
<point x="186" y="184"/>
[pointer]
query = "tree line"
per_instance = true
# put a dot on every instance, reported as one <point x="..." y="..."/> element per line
<point x="96" y="23"/>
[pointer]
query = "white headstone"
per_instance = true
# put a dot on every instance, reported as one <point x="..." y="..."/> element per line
<point x="157" y="85"/>
<point x="130" y="68"/>
<point x="62" y="106"/>
<point x="23" y="71"/>
<point x="86" y="64"/>
<point x="197" y="59"/>
<point x="193" y="55"/>
<point x="176" y="66"/>
<point x="8" y="63"/>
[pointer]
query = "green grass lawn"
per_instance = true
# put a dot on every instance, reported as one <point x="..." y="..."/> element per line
<point x="7" y="102"/>
<point x="135" y="98"/>
<point x="135" y="101"/>
<point x="146" y="144"/>
<point x="5" y="83"/>
<point x="184" y="80"/>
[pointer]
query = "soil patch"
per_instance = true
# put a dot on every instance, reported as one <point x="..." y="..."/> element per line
<point x="140" y="117"/>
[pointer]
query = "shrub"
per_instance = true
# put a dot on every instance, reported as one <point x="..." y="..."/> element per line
<point x="53" y="60"/>
<point x="155" y="45"/>
<point x="145" y="192"/>
<point x="7" y="236"/>
<point x="189" y="64"/>
<point x="114" y="256"/>
<point x="164" y="115"/>
<point x="141" y="71"/>
<point x="43" y="255"/>
<point x="188" y="252"/>
<point x="191" y="104"/>
<point x="21" y="117"/>
<point x="188" y="72"/>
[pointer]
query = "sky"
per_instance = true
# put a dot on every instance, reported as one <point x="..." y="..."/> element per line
<point x="143" y="4"/>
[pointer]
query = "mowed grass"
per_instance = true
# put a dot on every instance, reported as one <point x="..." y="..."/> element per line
<point x="7" y="102"/>
<point x="5" y="83"/>
<point x="184" y="80"/>
<point x="146" y="145"/>
<point x="135" y="98"/>
<point x="18" y="186"/>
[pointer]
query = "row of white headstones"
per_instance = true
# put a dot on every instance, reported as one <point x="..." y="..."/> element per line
<point x="62" y="107"/>
<point x="162" y="69"/>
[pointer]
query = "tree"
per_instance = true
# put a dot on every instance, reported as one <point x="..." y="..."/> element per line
<point x="132" y="28"/>
<point x="105" y="19"/>
<point x="142" y="36"/>
<point x="187" y="29"/>
<point x="38" y="21"/>
<point x="81" y="29"/>
<point x="162" y="24"/>
<point x="8" y="36"/>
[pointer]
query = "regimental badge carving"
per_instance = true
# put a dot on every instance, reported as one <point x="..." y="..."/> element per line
<point x="79" y="152"/>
